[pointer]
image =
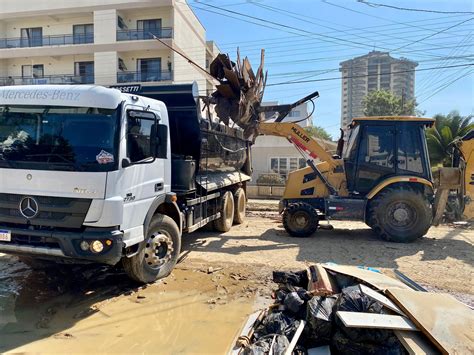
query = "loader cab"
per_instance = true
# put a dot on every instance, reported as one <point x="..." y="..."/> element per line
<point x="382" y="147"/>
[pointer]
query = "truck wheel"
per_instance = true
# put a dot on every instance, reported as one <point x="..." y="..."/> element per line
<point x="400" y="215"/>
<point x="240" y="203"/>
<point x="224" y="222"/>
<point x="300" y="220"/>
<point x="159" y="253"/>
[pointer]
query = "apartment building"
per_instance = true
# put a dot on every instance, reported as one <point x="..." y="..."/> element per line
<point x="373" y="71"/>
<point x="104" y="42"/>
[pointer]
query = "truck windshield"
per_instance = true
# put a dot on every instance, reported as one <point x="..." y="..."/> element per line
<point x="58" y="138"/>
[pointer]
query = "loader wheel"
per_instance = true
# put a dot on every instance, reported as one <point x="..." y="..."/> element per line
<point x="400" y="215"/>
<point x="159" y="252"/>
<point x="300" y="220"/>
<point x="224" y="222"/>
<point x="240" y="206"/>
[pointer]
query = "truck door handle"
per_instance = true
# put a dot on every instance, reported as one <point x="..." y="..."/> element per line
<point x="159" y="187"/>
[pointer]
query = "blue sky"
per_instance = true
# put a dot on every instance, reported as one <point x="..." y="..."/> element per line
<point x="310" y="38"/>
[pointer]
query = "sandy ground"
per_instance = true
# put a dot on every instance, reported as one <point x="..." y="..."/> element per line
<point x="202" y="305"/>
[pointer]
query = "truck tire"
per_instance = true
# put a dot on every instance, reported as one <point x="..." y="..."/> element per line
<point x="300" y="220"/>
<point x="158" y="254"/>
<point x="240" y="206"/>
<point x="400" y="215"/>
<point x="224" y="222"/>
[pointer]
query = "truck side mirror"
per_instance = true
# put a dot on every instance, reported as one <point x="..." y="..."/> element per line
<point x="161" y="141"/>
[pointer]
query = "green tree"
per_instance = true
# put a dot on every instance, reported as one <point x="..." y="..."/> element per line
<point x="385" y="103"/>
<point x="446" y="129"/>
<point x="319" y="132"/>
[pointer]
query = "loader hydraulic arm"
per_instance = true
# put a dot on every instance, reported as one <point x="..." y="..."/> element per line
<point x="299" y="137"/>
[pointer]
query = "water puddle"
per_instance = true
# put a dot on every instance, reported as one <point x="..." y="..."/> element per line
<point x="92" y="309"/>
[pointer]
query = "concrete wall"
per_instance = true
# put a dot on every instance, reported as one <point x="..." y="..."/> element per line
<point x="52" y="65"/>
<point x="131" y="17"/>
<point x="105" y="26"/>
<point x="190" y="38"/>
<point x="56" y="26"/>
<point x="106" y="67"/>
<point x="130" y="58"/>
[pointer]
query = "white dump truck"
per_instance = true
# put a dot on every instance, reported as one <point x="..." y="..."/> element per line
<point x="94" y="174"/>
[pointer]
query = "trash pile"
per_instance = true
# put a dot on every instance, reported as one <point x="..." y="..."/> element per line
<point x="240" y="92"/>
<point x="330" y="309"/>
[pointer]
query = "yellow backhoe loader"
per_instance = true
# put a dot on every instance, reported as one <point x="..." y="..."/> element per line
<point x="381" y="175"/>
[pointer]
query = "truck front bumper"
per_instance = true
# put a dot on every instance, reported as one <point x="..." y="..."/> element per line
<point x="65" y="244"/>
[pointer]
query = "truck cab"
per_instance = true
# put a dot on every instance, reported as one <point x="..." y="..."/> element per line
<point x="80" y="169"/>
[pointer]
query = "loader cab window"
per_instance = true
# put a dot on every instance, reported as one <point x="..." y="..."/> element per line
<point x="376" y="156"/>
<point x="410" y="151"/>
<point x="139" y="129"/>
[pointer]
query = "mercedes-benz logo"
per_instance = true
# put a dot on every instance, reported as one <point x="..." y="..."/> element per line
<point x="29" y="207"/>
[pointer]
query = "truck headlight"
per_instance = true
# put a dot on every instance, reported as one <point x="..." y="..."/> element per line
<point x="97" y="246"/>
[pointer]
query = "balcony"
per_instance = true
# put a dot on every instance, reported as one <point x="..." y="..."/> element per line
<point x="47" y="79"/>
<point x="140" y="35"/>
<point x="137" y="77"/>
<point x="54" y="40"/>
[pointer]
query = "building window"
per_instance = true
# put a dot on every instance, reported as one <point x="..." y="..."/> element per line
<point x="284" y="165"/>
<point x="32" y="71"/>
<point x="294" y="114"/>
<point x="148" y="27"/>
<point x="83" y="33"/>
<point x="149" y="69"/>
<point x="32" y="37"/>
<point x="84" y="72"/>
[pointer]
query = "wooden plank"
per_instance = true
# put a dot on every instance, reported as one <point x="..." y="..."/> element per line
<point x="448" y="323"/>
<point x="297" y="335"/>
<point x="380" y="298"/>
<point x="319" y="281"/>
<point x="415" y="343"/>
<point x="375" y="279"/>
<point x="374" y="320"/>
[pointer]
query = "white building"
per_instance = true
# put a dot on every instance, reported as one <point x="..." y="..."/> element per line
<point x="106" y="42"/>
<point x="276" y="155"/>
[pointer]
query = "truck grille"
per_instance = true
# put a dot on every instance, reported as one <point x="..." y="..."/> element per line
<point x="58" y="212"/>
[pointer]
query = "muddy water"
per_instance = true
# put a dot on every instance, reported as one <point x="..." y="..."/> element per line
<point x="98" y="310"/>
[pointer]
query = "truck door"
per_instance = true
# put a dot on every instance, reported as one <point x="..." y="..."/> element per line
<point x="376" y="159"/>
<point x="144" y="179"/>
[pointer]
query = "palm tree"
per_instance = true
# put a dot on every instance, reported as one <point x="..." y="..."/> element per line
<point x="445" y="130"/>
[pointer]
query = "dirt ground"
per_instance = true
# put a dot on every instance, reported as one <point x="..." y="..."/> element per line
<point x="221" y="279"/>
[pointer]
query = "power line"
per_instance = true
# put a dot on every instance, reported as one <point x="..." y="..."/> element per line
<point x="447" y="85"/>
<point x="369" y="75"/>
<point x="434" y="34"/>
<point x="374" y="4"/>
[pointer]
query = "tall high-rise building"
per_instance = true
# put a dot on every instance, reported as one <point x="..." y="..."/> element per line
<point x="374" y="71"/>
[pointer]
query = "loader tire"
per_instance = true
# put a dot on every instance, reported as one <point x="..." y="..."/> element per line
<point x="240" y="206"/>
<point x="158" y="254"/>
<point x="400" y="215"/>
<point x="300" y="220"/>
<point x="224" y="222"/>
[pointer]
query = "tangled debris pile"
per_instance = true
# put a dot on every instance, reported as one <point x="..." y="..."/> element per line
<point x="343" y="310"/>
<point x="240" y="92"/>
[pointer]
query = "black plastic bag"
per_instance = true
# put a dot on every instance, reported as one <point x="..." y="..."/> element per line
<point x="341" y="344"/>
<point x="263" y="345"/>
<point x="353" y="300"/>
<point x="277" y="323"/>
<point x="319" y="318"/>
<point x="299" y="278"/>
